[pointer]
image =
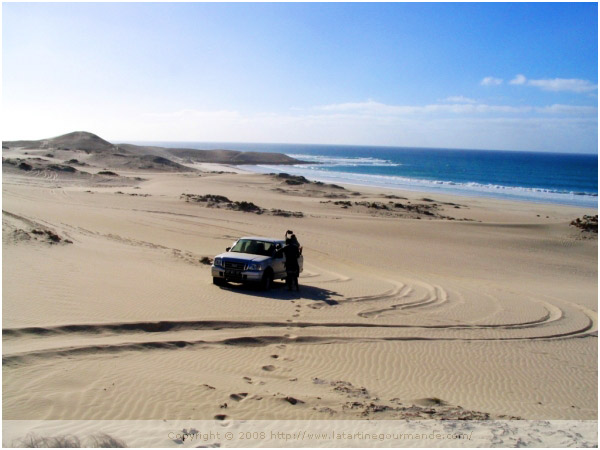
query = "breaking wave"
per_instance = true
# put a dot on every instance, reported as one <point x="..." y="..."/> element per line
<point x="316" y="172"/>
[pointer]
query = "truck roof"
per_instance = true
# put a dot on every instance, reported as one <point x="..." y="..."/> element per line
<point x="264" y="239"/>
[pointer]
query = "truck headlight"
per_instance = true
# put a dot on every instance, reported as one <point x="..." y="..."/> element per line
<point x="218" y="262"/>
<point x="255" y="266"/>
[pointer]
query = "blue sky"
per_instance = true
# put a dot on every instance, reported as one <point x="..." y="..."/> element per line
<point x="515" y="76"/>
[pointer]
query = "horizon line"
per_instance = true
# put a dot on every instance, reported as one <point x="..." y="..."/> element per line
<point x="415" y="147"/>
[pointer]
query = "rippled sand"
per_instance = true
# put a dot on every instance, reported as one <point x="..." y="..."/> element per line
<point x="494" y="316"/>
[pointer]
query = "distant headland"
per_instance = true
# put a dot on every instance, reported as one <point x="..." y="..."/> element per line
<point x="131" y="156"/>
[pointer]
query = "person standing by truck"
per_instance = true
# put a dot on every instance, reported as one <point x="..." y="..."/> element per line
<point x="292" y="251"/>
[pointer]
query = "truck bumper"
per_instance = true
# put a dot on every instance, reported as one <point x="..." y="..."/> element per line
<point x="239" y="276"/>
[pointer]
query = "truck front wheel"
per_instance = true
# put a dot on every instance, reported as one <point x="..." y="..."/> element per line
<point x="267" y="280"/>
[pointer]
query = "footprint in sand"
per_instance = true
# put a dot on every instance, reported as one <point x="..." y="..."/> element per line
<point x="238" y="397"/>
<point x="251" y="381"/>
<point x="269" y="368"/>
<point x="292" y="400"/>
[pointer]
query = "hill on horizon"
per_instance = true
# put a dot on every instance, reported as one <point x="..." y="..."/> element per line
<point x="131" y="156"/>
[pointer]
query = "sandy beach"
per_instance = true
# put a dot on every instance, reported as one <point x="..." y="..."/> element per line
<point x="430" y="307"/>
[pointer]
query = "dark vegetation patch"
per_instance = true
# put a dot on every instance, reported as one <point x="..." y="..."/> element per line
<point x="407" y="209"/>
<point x="161" y="160"/>
<point x="134" y="195"/>
<point x="293" y="180"/>
<point x="108" y="173"/>
<point x="394" y="197"/>
<point x="220" y="201"/>
<point x="364" y="404"/>
<point x="210" y="198"/>
<point x="37" y="234"/>
<point x="345" y="387"/>
<point x="38" y="164"/>
<point x="441" y="411"/>
<point x="76" y="162"/>
<point x="587" y="223"/>
<point x="246" y="207"/>
<point x="52" y="237"/>
<point x="61" y="168"/>
<point x="336" y="196"/>
<point x="297" y="180"/>
<point x="130" y="194"/>
<point x="343" y="204"/>
<point x="283" y="213"/>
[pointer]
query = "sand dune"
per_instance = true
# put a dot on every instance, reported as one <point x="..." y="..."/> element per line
<point x="78" y="140"/>
<point x="484" y="311"/>
<point x="129" y="156"/>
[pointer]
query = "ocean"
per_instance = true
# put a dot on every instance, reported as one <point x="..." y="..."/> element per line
<point x="570" y="179"/>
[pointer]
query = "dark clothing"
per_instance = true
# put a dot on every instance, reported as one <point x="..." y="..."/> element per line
<point x="292" y="253"/>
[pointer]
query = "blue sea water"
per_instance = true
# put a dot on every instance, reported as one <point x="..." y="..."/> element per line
<point x="563" y="178"/>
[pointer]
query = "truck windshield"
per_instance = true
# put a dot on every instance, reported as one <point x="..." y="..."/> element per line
<point x="254" y="247"/>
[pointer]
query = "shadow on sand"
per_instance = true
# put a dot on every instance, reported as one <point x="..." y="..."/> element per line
<point x="279" y="291"/>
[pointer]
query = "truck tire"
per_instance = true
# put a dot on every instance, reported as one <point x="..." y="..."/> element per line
<point x="267" y="280"/>
<point x="218" y="281"/>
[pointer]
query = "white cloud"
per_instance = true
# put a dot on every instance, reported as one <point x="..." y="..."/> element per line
<point x="194" y="114"/>
<point x="374" y="108"/>
<point x="519" y="79"/>
<point x="491" y="81"/>
<point x="563" y="84"/>
<point x="369" y="106"/>
<point x="568" y="109"/>
<point x="554" y="84"/>
<point x="459" y="99"/>
<point x="557" y="84"/>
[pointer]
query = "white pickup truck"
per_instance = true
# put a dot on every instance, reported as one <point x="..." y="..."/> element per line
<point x="251" y="259"/>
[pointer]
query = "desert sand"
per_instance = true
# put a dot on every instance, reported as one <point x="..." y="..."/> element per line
<point x="412" y="305"/>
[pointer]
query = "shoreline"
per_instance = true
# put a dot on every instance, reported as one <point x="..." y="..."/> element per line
<point x="416" y="190"/>
<point x="462" y="188"/>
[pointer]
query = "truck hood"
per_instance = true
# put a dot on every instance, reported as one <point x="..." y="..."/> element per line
<point x="245" y="257"/>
